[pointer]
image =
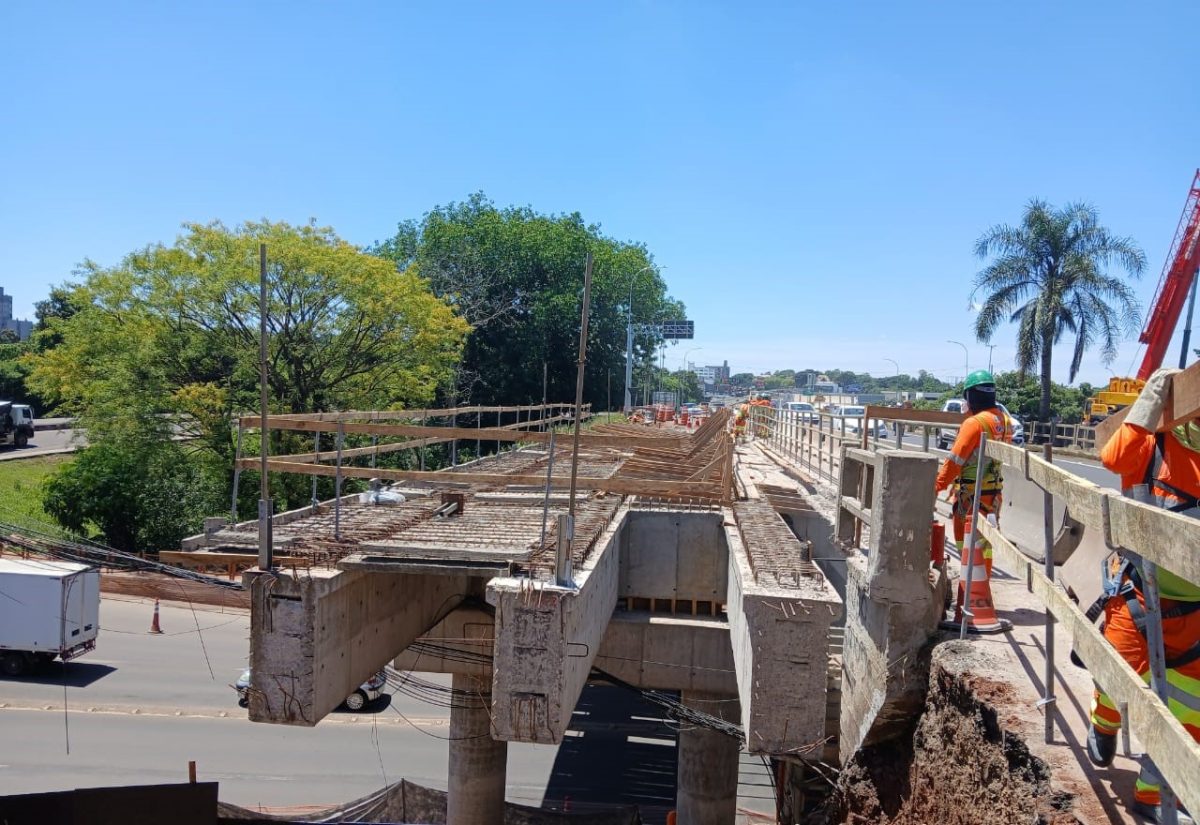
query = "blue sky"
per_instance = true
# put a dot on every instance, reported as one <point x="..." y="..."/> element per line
<point x="812" y="175"/>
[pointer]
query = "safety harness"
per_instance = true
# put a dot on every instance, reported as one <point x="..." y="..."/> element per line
<point x="1125" y="580"/>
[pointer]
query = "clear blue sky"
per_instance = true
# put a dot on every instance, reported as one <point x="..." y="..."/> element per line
<point x="812" y="175"/>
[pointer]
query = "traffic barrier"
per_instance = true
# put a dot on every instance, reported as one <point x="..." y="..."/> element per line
<point x="154" y="626"/>
<point x="981" y="610"/>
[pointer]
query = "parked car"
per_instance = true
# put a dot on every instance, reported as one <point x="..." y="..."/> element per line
<point x="957" y="405"/>
<point x="368" y="691"/>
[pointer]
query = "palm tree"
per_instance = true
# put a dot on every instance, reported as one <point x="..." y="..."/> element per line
<point x="1048" y="277"/>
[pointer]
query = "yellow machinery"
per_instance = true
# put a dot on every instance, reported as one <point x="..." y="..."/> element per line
<point x="1121" y="393"/>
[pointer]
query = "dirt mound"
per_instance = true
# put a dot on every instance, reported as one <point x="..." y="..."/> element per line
<point x="959" y="766"/>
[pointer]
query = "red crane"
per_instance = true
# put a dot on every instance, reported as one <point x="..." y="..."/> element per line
<point x="1182" y="262"/>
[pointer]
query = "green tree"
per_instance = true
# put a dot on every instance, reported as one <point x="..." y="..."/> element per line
<point x="742" y="379"/>
<point x="166" y="343"/>
<point x="517" y="276"/>
<point x="1048" y="275"/>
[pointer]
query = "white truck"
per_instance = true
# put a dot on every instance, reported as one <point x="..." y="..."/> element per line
<point x="16" y="423"/>
<point x="48" y="610"/>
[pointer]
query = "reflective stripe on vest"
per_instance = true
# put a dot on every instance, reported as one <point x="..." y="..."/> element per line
<point x="999" y="428"/>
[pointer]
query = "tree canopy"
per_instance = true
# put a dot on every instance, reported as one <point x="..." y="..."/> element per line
<point x="1048" y="276"/>
<point x="166" y="344"/>
<point x="517" y="276"/>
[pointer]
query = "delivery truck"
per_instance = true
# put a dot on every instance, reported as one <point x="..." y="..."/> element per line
<point x="48" y="610"/>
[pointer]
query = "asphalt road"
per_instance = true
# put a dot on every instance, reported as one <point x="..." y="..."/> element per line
<point x="140" y="706"/>
<point x="44" y="442"/>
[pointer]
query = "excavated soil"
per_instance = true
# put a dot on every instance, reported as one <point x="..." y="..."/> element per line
<point x="961" y="764"/>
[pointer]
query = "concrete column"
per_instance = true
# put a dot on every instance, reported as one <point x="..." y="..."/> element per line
<point x="477" y="761"/>
<point x="708" y="765"/>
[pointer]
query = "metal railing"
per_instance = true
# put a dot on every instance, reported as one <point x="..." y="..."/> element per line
<point x="814" y="440"/>
<point x="1072" y="436"/>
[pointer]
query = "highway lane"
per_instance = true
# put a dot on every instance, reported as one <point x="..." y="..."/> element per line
<point x="255" y="764"/>
<point x="140" y="706"/>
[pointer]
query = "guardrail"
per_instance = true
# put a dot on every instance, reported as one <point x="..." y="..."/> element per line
<point x="1073" y="436"/>
<point x="1161" y="539"/>
<point x="814" y="440"/>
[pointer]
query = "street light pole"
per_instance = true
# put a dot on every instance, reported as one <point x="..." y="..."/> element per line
<point x="685" y="369"/>
<point x="966" y="358"/>
<point x="629" y="340"/>
<point x="990" y="348"/>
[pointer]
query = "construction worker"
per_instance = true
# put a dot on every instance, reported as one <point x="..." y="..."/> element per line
<point x="739" y="421"/>
<point x="962" y="467"/>
<point x="1169" y="463"/>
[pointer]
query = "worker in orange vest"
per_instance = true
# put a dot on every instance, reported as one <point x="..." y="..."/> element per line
<point x="963" y="465"/>
<point x="1169" y="463"/>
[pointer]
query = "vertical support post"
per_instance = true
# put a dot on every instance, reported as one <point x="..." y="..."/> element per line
<point x="925" y="439"/>
<point x="499" y="418"/>
<point x="265" y="506"/>
<point x="454" y="441"/>
<point x="374" y="449"/>
<point x="1048" y="548"/>
<point x="237" y="475"/>
<point x="337" y="486"/>
<point x="566" y="525"/>
<point x="313" y="502"/>
<point x="478" y="426"/>
<point x="546" y="500"/>
<point x="545" y="377"/>
<point x="969" y="547"/>
<point x="1154" y="644"/>
<point x="1187" y="330"/>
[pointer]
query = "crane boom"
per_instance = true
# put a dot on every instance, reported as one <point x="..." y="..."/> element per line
<point x="1173" y="285"/>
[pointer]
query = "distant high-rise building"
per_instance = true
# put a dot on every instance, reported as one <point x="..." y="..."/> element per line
<point x="23" y="329"/>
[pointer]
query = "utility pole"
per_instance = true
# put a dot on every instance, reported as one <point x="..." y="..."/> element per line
<point x="264" y="485"/>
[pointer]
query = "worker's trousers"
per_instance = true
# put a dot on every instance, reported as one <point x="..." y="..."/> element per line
<point x="1183" y="683"/>
<point x="988" y="505"/>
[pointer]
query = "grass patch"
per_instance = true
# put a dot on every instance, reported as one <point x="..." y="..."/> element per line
<point x="21" y="485"/>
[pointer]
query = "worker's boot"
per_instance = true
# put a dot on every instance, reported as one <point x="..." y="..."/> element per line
<point x="1101" y="747"/>
<point x="1153" y="813"/>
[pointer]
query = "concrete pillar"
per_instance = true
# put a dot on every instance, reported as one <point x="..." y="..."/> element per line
<point x="708" y="765"/>
<point x="477" y="761"/>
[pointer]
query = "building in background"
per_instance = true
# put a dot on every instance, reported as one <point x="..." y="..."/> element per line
<point x="23" y="329"/>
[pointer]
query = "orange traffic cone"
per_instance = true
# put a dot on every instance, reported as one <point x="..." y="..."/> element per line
<point x="982" y="611"/>
<point x="154" y="628"/>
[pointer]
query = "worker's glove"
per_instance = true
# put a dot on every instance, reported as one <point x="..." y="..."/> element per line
<point x="1147" y="410"/>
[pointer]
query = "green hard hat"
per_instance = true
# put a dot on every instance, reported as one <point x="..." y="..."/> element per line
<point x="979" y="378"/>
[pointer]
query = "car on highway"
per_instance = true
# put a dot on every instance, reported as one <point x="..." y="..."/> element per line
<point x="368" y="691"/>
<point x="854" y="423"/>
<point x="806" y="410"/>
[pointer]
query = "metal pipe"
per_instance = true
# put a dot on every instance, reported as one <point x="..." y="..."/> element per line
<point x="546" y="500"/>
<point x="237" y="475"/>
<point x="265" y="507"/>
<point x="316" y="460"/>
<point x="1154" y="644"/>
<point x="1048" y="568"/>
<point x="980" y="457"/>
<point x="579" y="376"/>
<point x="337" y="486"/>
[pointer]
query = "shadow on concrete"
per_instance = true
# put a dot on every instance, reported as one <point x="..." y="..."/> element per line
<point x="72" y="674"/>
<point x="619" y="751"/>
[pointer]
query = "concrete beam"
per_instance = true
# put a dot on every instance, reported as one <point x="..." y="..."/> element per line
<point x="674" y="555"/>
<point x="316" y="636"/>
<point x="656" y="652"/>
<point x="780" y="641"/>
<point x="547" y="638"/>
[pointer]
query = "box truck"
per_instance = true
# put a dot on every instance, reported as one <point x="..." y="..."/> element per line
<point x="48" y="610"/>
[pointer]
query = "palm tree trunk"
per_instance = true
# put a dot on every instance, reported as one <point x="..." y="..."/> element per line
<point x="1047" y="353"/>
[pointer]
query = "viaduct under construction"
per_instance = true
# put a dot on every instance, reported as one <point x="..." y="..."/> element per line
<point x="781" y="584"/>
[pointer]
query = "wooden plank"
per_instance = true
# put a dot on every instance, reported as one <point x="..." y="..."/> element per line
<point x="472" y="433"/>
<point x="252" y="421"/>
<point x="915" y="416"/>
<point x="1183" y="404"/>
<point x="1084" y="499"/>
<point x="1167" y="539"/>
<point x="622" y="486"/>
<point x="185" y="558"/>
<point x="1174" y="751"/>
